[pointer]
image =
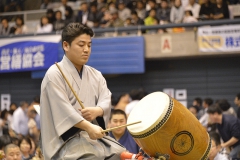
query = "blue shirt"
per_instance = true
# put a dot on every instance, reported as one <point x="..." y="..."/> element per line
<point x="128" y="142"/>
<point x="229" y="128"/>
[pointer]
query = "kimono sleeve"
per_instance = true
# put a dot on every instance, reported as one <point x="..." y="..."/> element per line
<point x="64" y="115"/>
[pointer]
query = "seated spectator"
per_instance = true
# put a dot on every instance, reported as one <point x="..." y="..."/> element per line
<point x="228" y="127"/>
<point x="50" y="16"/>
<point x="115" y="21"/>
<point x="4" y="123"/>
<point x="82" y="15"/>
<point x="12" y="5"/>
<point x="4" y="28"/>
<point x="151" y="19"/>
<point x="198" y="102"/>
<point x="69" y="15"/>
<point x="220" y="10"/>
<point x="123" y="11"/>
<point x="45" y="26"/>
<point x="188" y="17"/>
<point x="63" y="7"/>
<point x="140" y="9"/>
<point x="19" y="27"/>
<point x="216" y="152"/>
<point x="135" y="19"/>
<point x="59" y="24"/>
<point x="106" y="18"/>
<point x="163" y="13"/>
<point x="100" y="4"/>
<point x="237" y="103"/>
<point x="46" y="4"/>
<point x="151" y="4"/>
<point x="177" y="12"/>
<point x="32" y="125"/>
<point x="12" y="152"/>
<point x="112" y="7"/>
<point x="94" y="15"/>
<point x="194" y="110"/>
<point x="226" y="107"/>
<point x="25" y="145"/>
<point x="194" y="7"/>
<point x="117" y="118"/>
<point x="206" y="10"/>
<point x="205" y="118"/>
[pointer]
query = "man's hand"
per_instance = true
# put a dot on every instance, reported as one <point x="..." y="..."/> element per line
<point x="95" y="132"/>
<point x="91" y="113"/>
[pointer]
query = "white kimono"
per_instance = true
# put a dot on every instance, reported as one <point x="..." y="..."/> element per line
<point x="59" y="112"/>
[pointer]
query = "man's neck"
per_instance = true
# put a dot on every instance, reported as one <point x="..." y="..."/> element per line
<point x="118" y="136"/>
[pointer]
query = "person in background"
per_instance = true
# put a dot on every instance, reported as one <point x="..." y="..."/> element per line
<point x="228" y="127"/>
<point x="151" y="19"/>
<point x="206" y="10"/>
<point x="198" y="102"/>
<point x="205" y="118"/>
<point x="4" y="123"/>
<point x="216" y="152"/>
<point x="135" y="20"/>
<point x="59" y="24"/>
<point x="47" y="4"/>
<point x="226" y="107"/>
<point x="220" y="10"/>
<point x="237" y="103"/>
<point x="19" y="27"/>
<point x="50" y="16"/>
<point x="151" y="4"/>
<point x="20" y="120"/>
<point x="194" y="110"/>
<point x="123" y="11"/>
<point x="118" y="118"/>
<point x="4" y="28"/>
<point x="63" y="7"/>
<point x="82" y="16"/>
<point x="25" y="145"/>
<point x="122" y="101"/>
<point x="194" y="7"/>
<point x="140" y="9"/>
<point x="188" y="17"/>
<point x="12" y="152"/>
<point x="177" y="12"/>
<point x="45" y="26"/>
<point x="4" y="140"/>
<point x="69" y="15"/>
<point x="163" y="13"/>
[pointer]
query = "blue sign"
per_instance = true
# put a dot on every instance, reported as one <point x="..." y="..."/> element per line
<point x="27" y="56"/>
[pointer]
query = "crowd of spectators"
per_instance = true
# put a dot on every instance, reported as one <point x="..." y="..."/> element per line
<point x="120" y="13"/>
<point x="223" y="124"/>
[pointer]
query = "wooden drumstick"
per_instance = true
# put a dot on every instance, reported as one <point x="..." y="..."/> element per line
<point x="79" y="101"/>
<point x="125" y="125"/>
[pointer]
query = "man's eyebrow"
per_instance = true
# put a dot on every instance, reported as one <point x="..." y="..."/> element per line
<point x="84" y="41"/>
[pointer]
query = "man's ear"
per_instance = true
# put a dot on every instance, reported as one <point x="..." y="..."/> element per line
<point x="65" y="46"/>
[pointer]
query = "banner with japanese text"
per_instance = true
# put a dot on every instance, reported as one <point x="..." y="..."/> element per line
<point x="28" y="53"/>
<point x="224" y="38"/>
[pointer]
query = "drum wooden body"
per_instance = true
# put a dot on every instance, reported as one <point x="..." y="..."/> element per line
<point x="168" y="127"/>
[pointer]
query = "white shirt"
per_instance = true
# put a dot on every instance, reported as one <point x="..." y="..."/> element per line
<point x="45" y="29"/>
<point x="130" y="106"/>
<point x="195" y="9"/>
<point x="20" y="121"/>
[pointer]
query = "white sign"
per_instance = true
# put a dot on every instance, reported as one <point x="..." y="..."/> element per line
<point x="181" y="94"/>
<point x="5" y="101"/>
<point x="166" y="44"/>
<point x="219" y="39"/>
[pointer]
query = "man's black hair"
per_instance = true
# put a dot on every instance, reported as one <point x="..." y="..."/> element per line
<point x="215" y="137"/>
<point x="214" y="109"/>
<point x="199" y="101"/>
<point x="224" y="104"/>
<point x="117" y="111"/>
<point x="208" y="101"/>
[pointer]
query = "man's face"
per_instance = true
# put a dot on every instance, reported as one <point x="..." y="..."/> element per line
<point x="164" y="4"/>
<point x="13" y="154"/>
<point x="237" y="101"/>
<point x="84" y="7"/>
<point x="79" y="50"/>
<point x="118" y="120"/>
<point x="214" y="118"/>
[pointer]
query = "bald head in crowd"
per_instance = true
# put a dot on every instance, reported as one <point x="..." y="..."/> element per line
<point x="12" y="152"/>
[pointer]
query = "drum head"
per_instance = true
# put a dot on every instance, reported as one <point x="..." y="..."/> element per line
<point x="150" y="110"/>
